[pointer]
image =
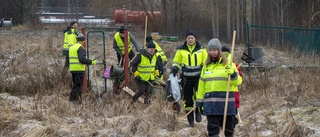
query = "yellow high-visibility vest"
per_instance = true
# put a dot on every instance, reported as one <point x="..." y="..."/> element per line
<point x="69" y="39"/>
<point x="146" y="68"/>
<point x="120" y="43"/>
<point x="75" y="64"/>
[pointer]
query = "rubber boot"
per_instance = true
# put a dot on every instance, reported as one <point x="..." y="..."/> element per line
<point x="198" y="115"/>
<point x="190" y="118"/>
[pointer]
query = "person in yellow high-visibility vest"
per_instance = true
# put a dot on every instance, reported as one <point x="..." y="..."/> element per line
<point x="118" y="44"/>
<point x="70" y="38"/>
<point x="78" y="62"/>
<point x="212" y="90"/>
<point x="189" y="58"/>
<point x="146" y="66"/>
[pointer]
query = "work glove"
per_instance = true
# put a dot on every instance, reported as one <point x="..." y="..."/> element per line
<point x="199" y="107"/>
<point x="136" y="76"/>
<point x="94" y="61"/>
<point x="157" y="73"/>
<point x="229" y="70"/>
<point x="174" y="70"/>
<point x="200" y="110"/>
<point x="136" y="73"/>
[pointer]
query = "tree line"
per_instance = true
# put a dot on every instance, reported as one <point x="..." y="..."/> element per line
<point x="210" y="18"/>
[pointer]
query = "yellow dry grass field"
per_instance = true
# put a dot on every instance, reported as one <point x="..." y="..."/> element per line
<point x="275" y="101"/>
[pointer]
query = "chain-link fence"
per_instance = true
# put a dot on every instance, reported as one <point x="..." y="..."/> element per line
<point x="281" y="46"/>
<point x="30" y="60"/>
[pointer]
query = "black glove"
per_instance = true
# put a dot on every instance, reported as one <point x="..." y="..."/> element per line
<point x="200" y="109"/>
<point x="174" y="70"/>
<point x="65" y="52"/>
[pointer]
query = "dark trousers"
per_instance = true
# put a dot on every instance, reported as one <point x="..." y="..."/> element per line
<point x="76" y="91"/>
<point x="66" y="65"/>
<point x="188" y="86"/>
<point x="131" y="55"/>
<point x="215" y="123"/>
<point x="143" y="88"/>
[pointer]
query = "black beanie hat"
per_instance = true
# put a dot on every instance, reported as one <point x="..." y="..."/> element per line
<point x="148" y="38"/>
<point x="121" y="29"/>
<point x="151" y="45"/>
<point x="225" y="48"/>
<point x="190" y="32"/>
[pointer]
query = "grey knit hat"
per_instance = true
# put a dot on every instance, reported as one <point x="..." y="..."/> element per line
<point x="80" y="37"/>
<point x="214" y="44"/>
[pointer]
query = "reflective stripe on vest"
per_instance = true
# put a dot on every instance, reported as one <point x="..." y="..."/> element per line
<point x="191" y="63"/>
<point x="75" y="64"/>
<point x="216" y="79"/>
<point x="120" y="43"/>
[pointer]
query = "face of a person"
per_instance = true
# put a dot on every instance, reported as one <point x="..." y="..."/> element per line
<point x="191" y="39"/>
<point x="122" y="35"/>
<point x="214" y="53"/>
<point x="151" y="50"/>
<point x="75" y="25"/>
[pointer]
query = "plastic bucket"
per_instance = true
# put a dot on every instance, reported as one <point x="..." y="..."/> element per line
<point x="114" y="72"/>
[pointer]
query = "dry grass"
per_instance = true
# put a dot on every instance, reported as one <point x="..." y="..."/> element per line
<point x="276" y="101"/>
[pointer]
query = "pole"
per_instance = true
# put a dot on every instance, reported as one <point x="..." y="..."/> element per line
<point x="126" y="58"/>
<point x="228" y="87"/>
<point x="145" y="31"/>
<point x="95" y="76"/>
<point x="85" y="82"/>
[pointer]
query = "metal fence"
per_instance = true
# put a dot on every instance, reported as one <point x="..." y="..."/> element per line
<point x="30" y="60"/>
<point x="281" y="46"/>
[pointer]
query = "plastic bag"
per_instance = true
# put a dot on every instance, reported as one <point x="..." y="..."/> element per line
<point x="173" y="88"/>
<point x="106" y="73"/>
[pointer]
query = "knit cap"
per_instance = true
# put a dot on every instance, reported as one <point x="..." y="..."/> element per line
<point x="190" y="32"/>
<point x="121" y="29"/>
<point x="151" y="45"/>
<point x="148" y="38"/>
<point x="80" y="37"/>
<point x="225" y="48"/>
<point x="214" y="44"/>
